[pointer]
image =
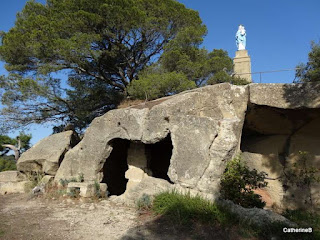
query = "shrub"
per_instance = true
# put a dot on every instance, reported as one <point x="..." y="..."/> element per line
<point x="303" y="174"/>
<point x="305" y="219"/>
<point x="81" y="177"/>
<point x="238" y="183"/>
<point x="97" y="189"/>
<point x="74" y="192"/>
<point x="144" y="202"/>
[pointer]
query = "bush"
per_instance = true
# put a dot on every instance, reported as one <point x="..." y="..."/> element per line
<point x="238" y="183"/>
<point x="303" y="174"/>
<point x="222" y="77"/>
<point x="7" y="164"/>
<point x="305" y="219"/>
<point x="144" y="202"/>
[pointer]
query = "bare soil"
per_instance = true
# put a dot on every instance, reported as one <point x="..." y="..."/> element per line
<point x="25" y="218"/>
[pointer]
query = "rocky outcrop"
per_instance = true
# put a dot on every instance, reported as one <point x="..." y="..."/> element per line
<point x="47" y="155"/>
<point x="183" y="142"/>
<point x="281" y="121"/>
<point x="204" y="126"/>
<point x="285" y="96"/>
<point x="256" y="216"/>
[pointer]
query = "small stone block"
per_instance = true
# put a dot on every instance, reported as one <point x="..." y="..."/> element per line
<point x="103" y="187"/>
<point x="86" y="189"/>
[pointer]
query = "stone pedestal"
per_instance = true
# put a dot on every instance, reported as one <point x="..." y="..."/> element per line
<point x="242" y="65"/>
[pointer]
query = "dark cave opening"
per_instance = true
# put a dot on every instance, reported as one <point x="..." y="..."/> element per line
<point x="115" y="167"/>
<point x="277" y="125"/>
<point x="154" y="159"/>
<point x="159" y="155"/>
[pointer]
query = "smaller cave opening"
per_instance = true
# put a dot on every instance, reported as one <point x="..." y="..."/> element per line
<point x="152" y="159"/>
<point x="115" y="167"/>
<point x="159" y="155"/>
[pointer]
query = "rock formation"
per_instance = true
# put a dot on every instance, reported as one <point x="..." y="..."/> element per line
<point x="47" y="154"/>
<point x="196" y="131"/>
<point x="184" y="142"/>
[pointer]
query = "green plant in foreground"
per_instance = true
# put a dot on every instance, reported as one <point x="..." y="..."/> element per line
<point x="185" y="208"/>
<point x="238" y="183"/>
<point x="144" y="202"/>
<point x="74" y="192"/>
<point x="35" y="178"/>
<point x="303" y="174"/>
<point x="81" y="177"/>
<point x="97" y="189"/>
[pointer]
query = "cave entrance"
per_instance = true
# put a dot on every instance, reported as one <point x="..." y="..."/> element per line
<point x="130" y="161"/>
<point x="159" y="155"/>
<point x="115" y="167"/>
<point x="281" y="132"/>
<point x="272" y="141"/>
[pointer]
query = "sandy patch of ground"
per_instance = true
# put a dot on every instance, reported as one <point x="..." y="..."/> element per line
<point x="25" y="218"/>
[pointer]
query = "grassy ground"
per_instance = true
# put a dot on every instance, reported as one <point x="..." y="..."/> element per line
<point x="184" y="210"/>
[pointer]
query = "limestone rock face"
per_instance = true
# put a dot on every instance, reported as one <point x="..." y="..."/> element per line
<point x="281" y="121"/>
<point x="286" y="96"/>
<point x="47" y="154"/>
<point x="204" y="126"/>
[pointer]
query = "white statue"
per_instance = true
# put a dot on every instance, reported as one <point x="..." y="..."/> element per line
<point x="241" y="38"/>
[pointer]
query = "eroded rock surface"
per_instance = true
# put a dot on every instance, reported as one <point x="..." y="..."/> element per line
<point x="204" y="126"/>
<point x="283" y="120"/>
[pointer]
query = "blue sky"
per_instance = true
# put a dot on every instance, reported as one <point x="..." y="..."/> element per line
<point x="279" y="33"/>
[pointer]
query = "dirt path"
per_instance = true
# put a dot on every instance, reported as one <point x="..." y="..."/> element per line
<point x="38" y="218"/>
<point x="22" y="218"/>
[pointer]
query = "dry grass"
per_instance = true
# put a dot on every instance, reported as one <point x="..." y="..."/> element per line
<point x="129" y="102"/>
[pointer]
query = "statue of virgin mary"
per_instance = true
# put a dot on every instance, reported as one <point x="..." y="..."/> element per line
<point x="241" y="38"/>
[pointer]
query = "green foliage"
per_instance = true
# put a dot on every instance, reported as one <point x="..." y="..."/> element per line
<point x="24" y="139"/>
<point x="74" y="192"/>
<point x="196" y="64"/>
<point x="154" y="85"/>
<point x="97" y="189"/>
<point x="101" y="45"/>
<point x="310" y="72"/>
<point x="304" y="219"/>
<point x="144" y="202"/>
<point x="81" y="177"/>
<point x="35" y="179"/>
<point x="7" y="163"/>
<point x="238" y="183"/>
<point x="302" y="174"/>
<point x="222" y="77"/>
<point x="184" y="209"/>
<point x="64" y="182"/>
